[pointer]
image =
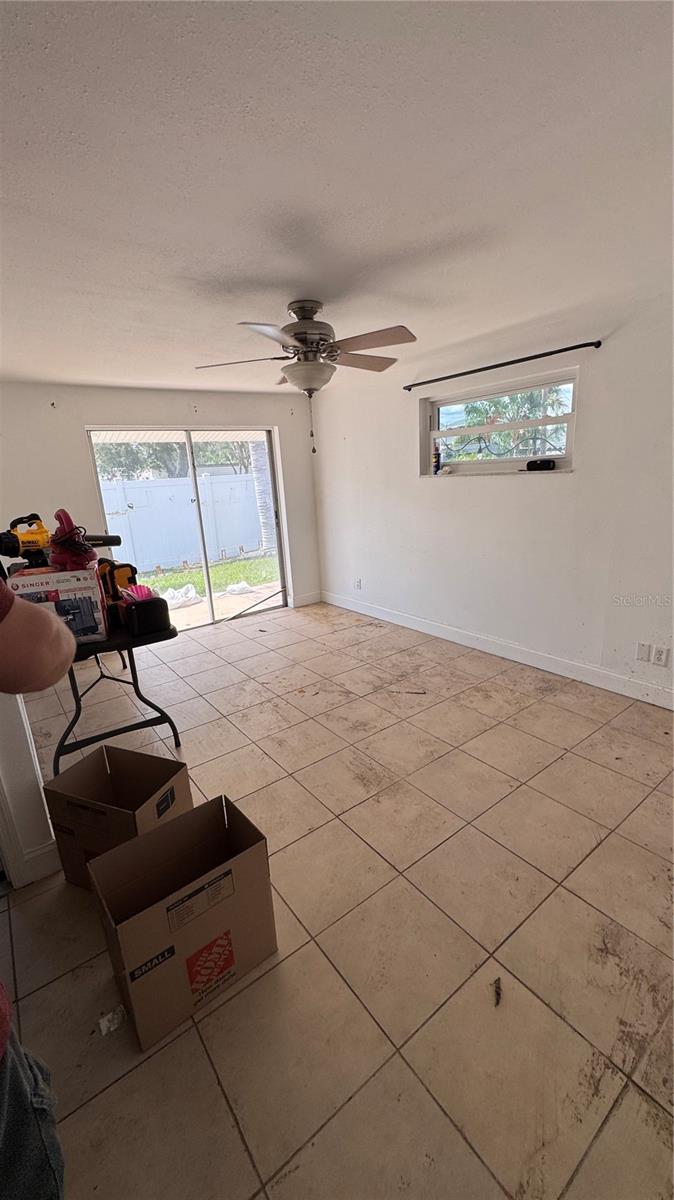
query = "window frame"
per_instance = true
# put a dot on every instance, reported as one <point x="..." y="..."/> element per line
<point x="430" y="424"/>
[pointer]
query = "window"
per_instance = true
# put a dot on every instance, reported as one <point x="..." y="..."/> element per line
<point x="500" y="431"/>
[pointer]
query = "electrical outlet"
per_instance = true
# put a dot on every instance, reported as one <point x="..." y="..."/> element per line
<point x="660" y="656"/>
<point x="643" y="652"/>
<point x="358" y="584"/>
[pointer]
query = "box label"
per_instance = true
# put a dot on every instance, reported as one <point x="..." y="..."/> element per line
<point x="155" y="961"/>
<point x="165" y="802"/>
<point x="207" y="967"/>
<point x="189" y="907"/>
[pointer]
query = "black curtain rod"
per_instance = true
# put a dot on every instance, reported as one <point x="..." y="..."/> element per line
<point x="492" y="366"/>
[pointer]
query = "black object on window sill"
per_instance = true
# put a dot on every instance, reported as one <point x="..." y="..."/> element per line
<point x="541" y="464"/>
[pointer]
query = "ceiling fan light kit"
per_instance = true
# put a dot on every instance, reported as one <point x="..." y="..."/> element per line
<point x="313" y="354"/>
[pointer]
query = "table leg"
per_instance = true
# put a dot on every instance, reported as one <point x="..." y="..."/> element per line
<point x="157" y="709"/>
<point x="72" y="679"/>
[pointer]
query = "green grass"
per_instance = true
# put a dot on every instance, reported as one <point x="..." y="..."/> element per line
<point x="253" y="571"/>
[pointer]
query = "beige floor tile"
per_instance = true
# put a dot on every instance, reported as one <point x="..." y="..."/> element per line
<point x="177" y="648"/>
<point x="631" y="885"/>
<point x="481" y="665"/>
<point x="531" y="1115"/>
<point x="495" y="698"/>
<point x="237" y="773"/>
<point x="357" y="719"/>
<point x="45" y="758"/>
<point x="232" y="699"/>
<point x="189" y="714"/>
<point x="557" y="725"/>
<point x="196" y="664"/>
<point x="402" y="824"/>
<point x="399" y="1142"/>
<point x="239" y="651"/>
<point x="47" y="706"/>
<point x="363" y="679"/>
<point x="289" y="1051"/>
<point x="434" y="654"/>
<point x="289" y="679"/>
<point x="35" y="889"/>
<point x="463" y="784"/>
<point x="208" y="741"/>
<point x="632" y="1157"/>
<point x="284" y="811"/>
<point x="652" y="824"/>
<point x="610" y="985"/>
<point x="547" y="834"/>
<point x="401" y="956"/>
<point x="392" y="642"/>
<point x="56" y="930"/>
<point x="343" y="639"/>
<point x="667" y="785"/>
<point x="269" y="717"/>
<point x="592" y="702"/>
<point x="655" y="1073"/>
<point x="595" y="791"/>
<point x="264" y="663"/>
<point x="345" y="779"/>
<point x="59" y="1023"/>
<point x="290" y="935"/>
<point x="217" y="677"/>
<point x="532" y="681"/>
<point x="513" y="752"/>
<point x="331" y="663"/>
<point x="648" y="721"/>
<point x="154" y="677"/>
<point x="46" y="731"/>
<point x="403" y="748"/>
<point x="404" y="699"/>
<point x="166" y="694"/>
<point x="452" y="721"/>
<point x="485" y="888"/>
<point x="302" y="651"/>
<point x="319" y="697"/>
<point x="302" y="744"/>
<point x="445" y="680"/>
<point x="327" y="873"/>
<point x="167" y="1143"/>
<point x="636" y="757"/>
<point x="136" y="739"/>
<point x="108" y="715"/>
<point x="6" y="961"/>
<point x="279" y="640"/>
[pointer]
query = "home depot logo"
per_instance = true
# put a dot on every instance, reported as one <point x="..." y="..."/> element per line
<point x="208" y="965"/>
<point x="155" y="961"/>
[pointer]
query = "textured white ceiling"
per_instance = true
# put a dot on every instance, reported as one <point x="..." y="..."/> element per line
<point x="171" y="169"/>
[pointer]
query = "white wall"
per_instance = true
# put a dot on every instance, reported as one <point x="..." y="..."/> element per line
<point x="46" y="462"/>
<point x="529" y="565"/>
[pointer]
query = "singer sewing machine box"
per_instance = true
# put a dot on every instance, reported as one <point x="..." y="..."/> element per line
<point x="75" y="596"/>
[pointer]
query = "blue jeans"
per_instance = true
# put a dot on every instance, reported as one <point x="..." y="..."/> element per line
<point x="31" y="1162"/>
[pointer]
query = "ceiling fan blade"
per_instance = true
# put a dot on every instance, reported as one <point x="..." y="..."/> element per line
<point x="238" y="361"/>
<point x="274" y="332"/>
<point x="366" y="362"/>
<point x="395" y="335"/>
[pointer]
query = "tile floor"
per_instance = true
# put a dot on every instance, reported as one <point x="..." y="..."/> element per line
<point x="439" y="819"/>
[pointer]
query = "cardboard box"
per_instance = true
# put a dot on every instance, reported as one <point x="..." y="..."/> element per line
<point x="187" y="911"/>
<point x="110" y="796"/>
<point x="75" y="596"/>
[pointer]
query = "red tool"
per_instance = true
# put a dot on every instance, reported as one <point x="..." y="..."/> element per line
<point x="69" y="550"/>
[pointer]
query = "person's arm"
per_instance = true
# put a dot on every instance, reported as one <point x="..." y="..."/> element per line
<point x="36" y="647"/>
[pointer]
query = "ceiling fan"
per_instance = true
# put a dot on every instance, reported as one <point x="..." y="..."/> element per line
<point x="311" y="351"/>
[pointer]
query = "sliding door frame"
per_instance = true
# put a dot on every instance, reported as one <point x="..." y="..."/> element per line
<point x="188" y="431"/>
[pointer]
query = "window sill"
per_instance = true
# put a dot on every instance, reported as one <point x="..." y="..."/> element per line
<point x="493" y="474"/>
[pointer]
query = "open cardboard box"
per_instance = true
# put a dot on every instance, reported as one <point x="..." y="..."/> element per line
<point x="108" y="797"/>
<point x="187" y="911"/>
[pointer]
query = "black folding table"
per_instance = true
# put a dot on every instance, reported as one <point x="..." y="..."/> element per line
<point x="123" y="644"/>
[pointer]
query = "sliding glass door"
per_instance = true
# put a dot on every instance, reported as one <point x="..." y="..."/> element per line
<point x="198" y="516"/>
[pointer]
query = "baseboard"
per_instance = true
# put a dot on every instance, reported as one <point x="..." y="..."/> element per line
<point x="636" y="689"/>
<point x="307" y="598"/>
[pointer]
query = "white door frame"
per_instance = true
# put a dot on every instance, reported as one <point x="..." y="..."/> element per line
<point x="27" y="843"/>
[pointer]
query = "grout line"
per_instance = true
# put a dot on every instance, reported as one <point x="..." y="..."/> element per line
<point x="614" y="1108"/>
<point x="230" y="1106"/>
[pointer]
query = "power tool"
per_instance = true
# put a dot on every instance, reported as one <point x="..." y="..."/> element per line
<point x="70" y="548"/>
